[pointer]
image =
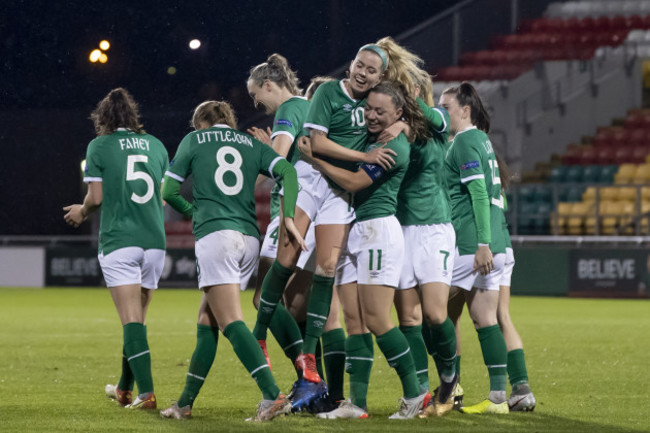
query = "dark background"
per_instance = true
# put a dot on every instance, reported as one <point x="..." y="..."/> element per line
<point x="48" y="87"/>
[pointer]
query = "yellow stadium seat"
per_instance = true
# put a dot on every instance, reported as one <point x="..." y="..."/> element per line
<point x="575" y="222"/>
<point x="645" y="217"/>
<point x="628" y="214"/>
<point x="589" y="194"/>
<point x="559" y="218"/>
<point x="610" y="212"/>
<point x="645" y="193"/>
<point x="625" y="174"/>
<point x="609" y="193"/>
<point x="627" y="193"/>
<point x="642" y="174"/>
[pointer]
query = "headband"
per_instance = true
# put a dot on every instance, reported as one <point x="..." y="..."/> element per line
<point x="379" y="51"/>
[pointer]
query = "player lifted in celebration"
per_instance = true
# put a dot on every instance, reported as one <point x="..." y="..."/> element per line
<point x="376" y="246"/>
<point x="477" y="210"/>
<point x="224" y="164"/>
<point x="336" y="116"/>
<point x="124" y="169"/>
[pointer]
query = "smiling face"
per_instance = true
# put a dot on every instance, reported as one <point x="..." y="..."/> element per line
<point x="380" y="112"/>
<point x="365" y="73"/>
<point x="459" y="117"/>
<point x="264" y="95"/>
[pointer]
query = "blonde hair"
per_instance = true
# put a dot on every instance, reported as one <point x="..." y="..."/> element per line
<point x="426" y="87"/>
<point x="213" y="112"/>
<point x="276" y="69"/>
<point x="403" y="65"/>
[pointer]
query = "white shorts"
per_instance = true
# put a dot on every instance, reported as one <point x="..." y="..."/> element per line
<point x="133" y="265"/>
<point x="226" y="257"/>
<point x="307" y="259"/>
<point x="322" y="203"/>
<point x="429" y="252"/>
<point x="506" y="277"/>
<point x="465" y="277"/>
<point x="376" y="252"/>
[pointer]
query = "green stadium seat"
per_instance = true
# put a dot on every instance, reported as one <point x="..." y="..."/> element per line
<point x="541" y="222"/>
<point x="526" y="193"/>
<point x="558" y="174"/>
<point x="543" y="194"/>
<point x="574" y="174"/>
<point x="607" y="173"/>
<point x="592" y="174"/>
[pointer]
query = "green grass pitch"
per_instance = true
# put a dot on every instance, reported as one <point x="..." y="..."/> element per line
<point x="587" y="360"/>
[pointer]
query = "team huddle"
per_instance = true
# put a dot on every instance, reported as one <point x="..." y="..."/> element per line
<point x="381" y="201"/>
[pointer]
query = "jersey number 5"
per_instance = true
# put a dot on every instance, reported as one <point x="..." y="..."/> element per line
<point x="234" y="167"/>
<point x="132" y="174"/>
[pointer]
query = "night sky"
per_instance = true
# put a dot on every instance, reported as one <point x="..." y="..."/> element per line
<point x="48" y="86"/>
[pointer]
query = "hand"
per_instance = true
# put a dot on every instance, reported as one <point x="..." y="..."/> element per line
<point x="294" y="234"/>
<point x="483" y="260"/>
<point x="304" y="145"/>
<point x="381" y="157"/>
<point x="75" y="215"/>
<point x="260" y="134"/>
<point x="392" y="132"/>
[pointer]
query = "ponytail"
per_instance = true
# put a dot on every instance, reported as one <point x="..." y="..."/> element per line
<point x="466" y="95"/>
<point x="276" y="69"/>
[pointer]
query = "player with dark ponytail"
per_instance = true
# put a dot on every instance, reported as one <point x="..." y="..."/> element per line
<point x="474" y="186"/>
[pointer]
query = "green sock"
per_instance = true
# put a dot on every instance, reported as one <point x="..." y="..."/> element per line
<point x="359" y="356"/>
<point x="207" y="338"/>
<point x="318" y="355"/>
<point x="495" y="356"/>
<point x="458" y="367"/>
<point x="413" y="335"/>
<point x="126" y="379"/>
<point x="250" y="354"/>
<point x="334" y="357"/>
<point x="444" y="338"/>
<point x="286" y="331"/>
<point x="139" y="358"/>
<point x="318" y="309"/>
<point x="516" y="367"/>
<point x="272" y="289"/>
<point x="396" y="349"/>
<point x="426" y="336"/>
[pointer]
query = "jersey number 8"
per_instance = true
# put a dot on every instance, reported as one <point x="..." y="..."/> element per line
<point x="234" y="167"/>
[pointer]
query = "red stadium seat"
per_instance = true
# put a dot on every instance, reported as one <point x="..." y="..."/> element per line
<point x="637" y="137"/>
<point x="624" y="155"/>
<point x="605" y="155"/>
<point x="588" y="156"/>
<point x="639" y="153"/>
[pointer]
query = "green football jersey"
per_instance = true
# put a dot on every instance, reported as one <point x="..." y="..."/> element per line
<point x="130" y="167"/>
<point x="380" y="198"/>
<point x="423" y="197"/>
<point x="288" y="121"/>
<point x="337" y="114"/>
<point x="471" y="157"/>
<point x="506" y="232"/>
<point x="224" y="164"/>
